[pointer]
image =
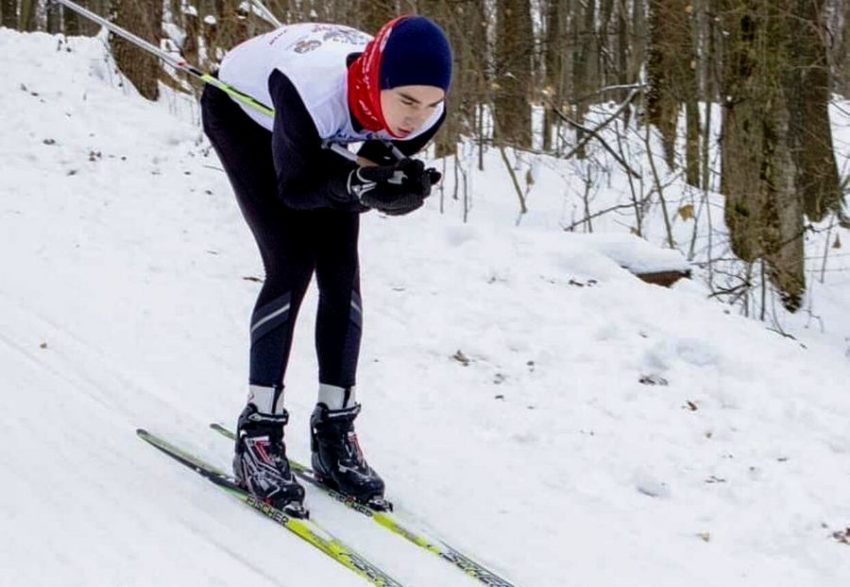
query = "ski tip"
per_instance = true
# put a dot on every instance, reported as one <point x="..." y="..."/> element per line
<point x="223" y="430"/>
<point x="141" y="432"/>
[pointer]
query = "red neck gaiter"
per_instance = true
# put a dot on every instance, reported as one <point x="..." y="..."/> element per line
<point x="364" y="87"/>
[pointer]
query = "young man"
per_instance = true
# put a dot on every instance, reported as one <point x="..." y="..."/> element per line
<point x="329" y="85"/>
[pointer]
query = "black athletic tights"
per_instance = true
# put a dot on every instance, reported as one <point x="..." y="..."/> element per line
<point x="293" y="244"/>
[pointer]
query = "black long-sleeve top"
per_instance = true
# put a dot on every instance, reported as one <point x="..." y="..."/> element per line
<point x="309" y="175"/>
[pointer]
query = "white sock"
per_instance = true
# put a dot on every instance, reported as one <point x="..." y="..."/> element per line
<point x="268" y="400"/>
<point x="337" y="398"/>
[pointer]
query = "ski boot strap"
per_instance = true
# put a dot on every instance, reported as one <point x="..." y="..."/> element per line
<point x="281" y="418"/>
<point x="342" y="415"/>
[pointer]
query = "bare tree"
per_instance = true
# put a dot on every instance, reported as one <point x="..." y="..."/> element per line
<point x="54" y="18"/>
<point x="463" y="29"/>
<point x="584" y="50"/>
<point x="513" y="76"/>
<point x="763" y="209"/>
<point x="840" y="30"/>
<point x="9" y="10"/>
<point x="770" y="63"/>
<point x="144" y="18"/>
<point x="808" y="91"/>
<point x="71" y="21"/>
<point x="554" y="61"/>
<point x="233" y="23"/>
<point x="672" y="77"/>
<point x="29" y="14"/>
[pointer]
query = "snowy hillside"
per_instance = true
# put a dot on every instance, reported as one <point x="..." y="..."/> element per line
<point x="524" y="396"/>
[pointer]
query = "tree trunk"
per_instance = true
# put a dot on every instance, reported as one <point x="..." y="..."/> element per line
<point x="606" y="66"/>
<point x="74" y="25"/>
<point x="209" y="22"/>
<point x="54" y="18"/>
<point x="473" y="76"/>
<point x="692" y="136"/>
<point x="514" y="46"/>
<point x="9" y="10"/>
<point x="90" y="28"/>
<point x="233" y="24"/>
<point x="808" y="94"/>
<point x="144" y="18"/>
<point x="639" y="39"/>
<point x="662" y="107"/>
<point x="843" y="57"/>
<point x="71" y="20"/>
<point x="584" y="49"/>
<point x="459" y="27"/>
<point x="29" y="13"/>
<point x="672" y="80"/>
<point x="623" y="73"/>
<point x="691" y="96"/>
<point x="709" y="56"/>
<point x="554" y="57"/>
<point x="192" y="26"/>
<point x="763" y="209"/>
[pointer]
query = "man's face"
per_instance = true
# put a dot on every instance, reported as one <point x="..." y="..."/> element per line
<point x="406" y="108"/>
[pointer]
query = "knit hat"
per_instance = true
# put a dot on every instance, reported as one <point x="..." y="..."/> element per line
<point x="417" y="53"/>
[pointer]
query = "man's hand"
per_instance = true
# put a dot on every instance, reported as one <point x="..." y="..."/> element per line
<point x="392" y="203"/>
<point x="408" y="176"/>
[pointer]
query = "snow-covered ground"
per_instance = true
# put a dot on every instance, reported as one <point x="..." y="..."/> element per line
<point x="525" y="396"/>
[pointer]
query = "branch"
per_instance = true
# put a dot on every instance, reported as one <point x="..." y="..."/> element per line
<point x="629" y="99"/>
<point x="612" y="89"/>
<point x="594" y="134"/>
<point x="594" y="215"/>
<point x="522" y="207"/>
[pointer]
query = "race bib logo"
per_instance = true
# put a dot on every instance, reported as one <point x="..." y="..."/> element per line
<point x="307" y="45"/>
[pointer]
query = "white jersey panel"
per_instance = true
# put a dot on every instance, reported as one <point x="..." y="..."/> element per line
<point x="313" y="57"/>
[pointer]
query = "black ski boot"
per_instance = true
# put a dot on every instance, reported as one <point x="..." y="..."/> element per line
<point x="260" y="463"/>
<point x="337" y="459"/>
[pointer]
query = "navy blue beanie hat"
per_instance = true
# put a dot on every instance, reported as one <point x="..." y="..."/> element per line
<point x="417" y="53"/>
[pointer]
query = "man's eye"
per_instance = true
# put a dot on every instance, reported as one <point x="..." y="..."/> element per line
<point x="407" y="102"/>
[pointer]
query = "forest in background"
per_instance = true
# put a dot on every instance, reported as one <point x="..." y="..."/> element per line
<point x="528" y="73"/>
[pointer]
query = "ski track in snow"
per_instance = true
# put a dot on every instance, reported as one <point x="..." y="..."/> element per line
<point x="499" y="375"/>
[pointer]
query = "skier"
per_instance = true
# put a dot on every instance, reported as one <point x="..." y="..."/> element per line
<point x="329" y="85"/>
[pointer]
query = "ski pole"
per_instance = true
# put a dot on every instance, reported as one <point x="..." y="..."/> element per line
<point x="182" y="65"/>
<point x="267" y="14"/>
<point x="175" y="62"/>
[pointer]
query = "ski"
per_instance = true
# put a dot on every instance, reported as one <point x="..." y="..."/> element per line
<point x="303" y="528"/>
<point x="390" y="522"/>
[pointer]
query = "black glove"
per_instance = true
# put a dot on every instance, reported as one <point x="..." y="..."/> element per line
<point x="390" y="201"/>
<point x="417" y="179"/>
<point x="408" y="176"/>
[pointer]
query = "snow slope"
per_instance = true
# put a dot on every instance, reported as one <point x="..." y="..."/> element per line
<point x="501" y="377"/>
